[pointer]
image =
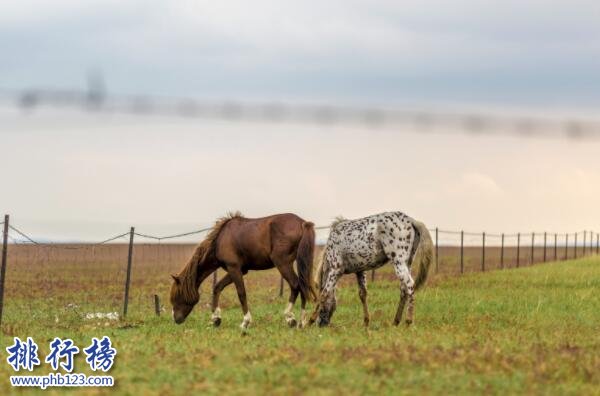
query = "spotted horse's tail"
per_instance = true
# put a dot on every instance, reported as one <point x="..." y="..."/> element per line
<point x="424" y="253"/>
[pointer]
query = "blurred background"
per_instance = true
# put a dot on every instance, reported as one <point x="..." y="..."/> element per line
<point x="473" y="115"/>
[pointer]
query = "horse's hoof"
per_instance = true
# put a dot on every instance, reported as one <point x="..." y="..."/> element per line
<point x="408" y="322"/>
<point x="244" y="327"/>
<point x="396" y="322"/>
<point x="216" y="322"/>
<point x="292" y="323"/>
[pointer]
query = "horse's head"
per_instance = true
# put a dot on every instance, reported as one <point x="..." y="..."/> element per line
<point x="183" y="299"/>
<point x="327" y="309"/>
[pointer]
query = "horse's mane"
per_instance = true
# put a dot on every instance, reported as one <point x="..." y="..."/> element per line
<point x="188" y="274"/>
<point x="318" y="268"/>
<point x="338" y="220"/>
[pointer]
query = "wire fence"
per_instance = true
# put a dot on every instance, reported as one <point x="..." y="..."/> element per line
<point x="130" y="270"/>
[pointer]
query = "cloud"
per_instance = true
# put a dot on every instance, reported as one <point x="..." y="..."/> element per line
<point x="479" y="183"/>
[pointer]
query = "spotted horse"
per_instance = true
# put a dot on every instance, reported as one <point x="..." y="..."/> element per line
<point x="357" y="246"/>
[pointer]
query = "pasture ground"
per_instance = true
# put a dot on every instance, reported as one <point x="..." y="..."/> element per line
<point x="532" y="330"/>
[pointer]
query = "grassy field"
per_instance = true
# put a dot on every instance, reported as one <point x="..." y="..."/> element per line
<point x="531" y="330"/>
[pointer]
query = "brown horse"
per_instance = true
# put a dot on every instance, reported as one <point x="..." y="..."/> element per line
<point x="237" y="245"/>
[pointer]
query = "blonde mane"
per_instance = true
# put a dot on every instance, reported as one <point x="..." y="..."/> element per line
<point x="338" y="220"/>
<point x="187" y="277"/>
<point x="318" y="268"/>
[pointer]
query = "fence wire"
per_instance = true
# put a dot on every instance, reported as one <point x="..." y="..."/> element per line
<point x="60" y="245"/>
<point x="468" y="237"/>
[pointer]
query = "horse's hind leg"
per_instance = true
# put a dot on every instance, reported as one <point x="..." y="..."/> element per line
<point x="397" y="248"/>
<point x="284" y="265"/>
<point x="361" y="278"/>
<point x="238" y="280"/>
<point x="407" y="291"/>
<point x="401" y="305"/>
<point x="216" y="311"/>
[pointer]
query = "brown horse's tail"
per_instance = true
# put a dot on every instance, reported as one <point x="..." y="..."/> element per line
<point x="424" y="254"/>
<point x="304" y="258"/>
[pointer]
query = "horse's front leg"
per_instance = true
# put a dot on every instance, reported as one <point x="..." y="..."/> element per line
<point x="216" y="311"/>
<point x="361" y="278"/>
<point x="238" y="280"/>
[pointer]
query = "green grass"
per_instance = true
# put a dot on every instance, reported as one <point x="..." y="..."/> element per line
<point x="532" y="330"/>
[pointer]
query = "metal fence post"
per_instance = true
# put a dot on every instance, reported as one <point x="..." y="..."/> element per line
<point x="502" y="252"/>
<point x="128" y="278"/>
<point x="437" y="248"/>
<point x="3" y="270"/>
<point x="545" y="235"/>
<point x="518" y="248"/>
<point x="584" y="240"/>
<point x="462" y="254"/>
<point x="483" y="252"/>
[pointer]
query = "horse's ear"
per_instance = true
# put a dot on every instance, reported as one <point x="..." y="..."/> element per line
<point x="175" y="278"/>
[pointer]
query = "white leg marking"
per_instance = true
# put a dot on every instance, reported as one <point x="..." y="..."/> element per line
<point x="216" y="314"/>
<point x="289" y="313"/>
<point x="247" y="320"/>
<point x="288" y="309"/>
<point x="303" y="318"/>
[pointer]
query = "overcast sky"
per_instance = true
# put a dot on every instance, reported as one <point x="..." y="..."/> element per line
<point x="71" y="174"/>
<point x="533" y="52"/>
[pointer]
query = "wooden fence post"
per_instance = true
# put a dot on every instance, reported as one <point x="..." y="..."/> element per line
<point x="502" y="252"/>
<point x="436" y="250"/>
<point x="156" y="305"/>
<point x="483" y="252"/>
<point x="597" y="243"/>
<point x="545" y="235"/>
<point x="532" y="245"/>
<point x="567" y="246"/>
<point x="462" y="255"/>
<point x="518" y="248"/>
<point x="584" y="240"/>
<point x="3" y="270"/>
<point x="555" y="247"/>
<point x="128" y="278"/>
<point x="575" y="247"/>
